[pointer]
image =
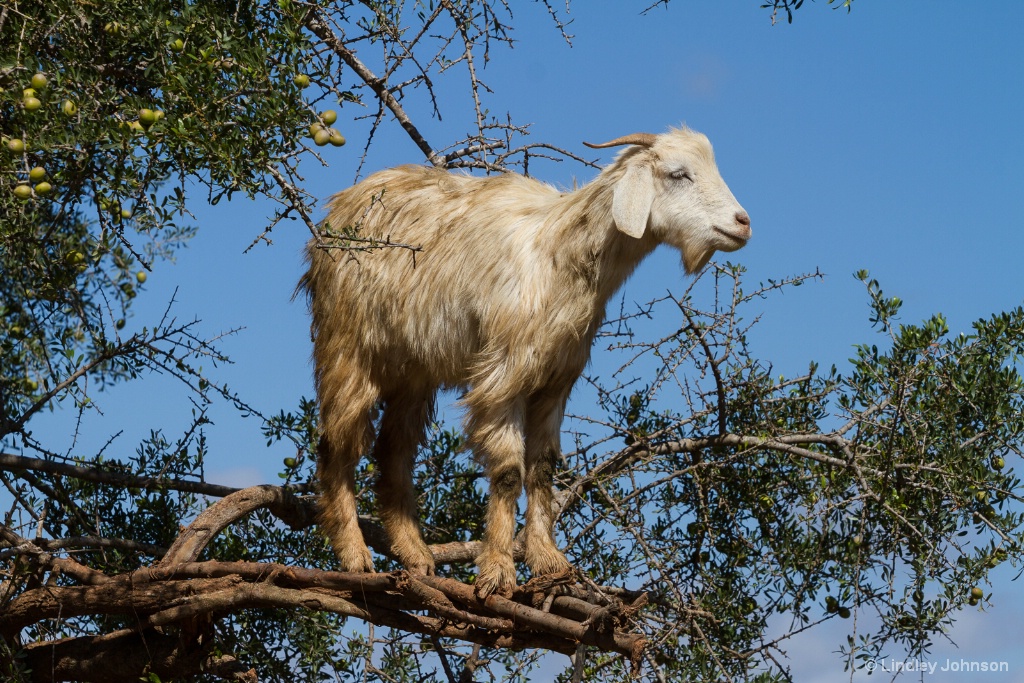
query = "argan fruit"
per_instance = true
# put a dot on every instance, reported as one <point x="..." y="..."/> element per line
<point x="126" y="213"/>
<point x="31" y="384"/>
<point x="336" y="139"/>
<point x="977" y="593"/>
<point x="329" y="116"/>
<point x="290" y="462"/>
<point x="140" y="276"/>
<point x="37" y="174"/>
<point x="39" y="81"/>
<point x="844" y="612"/>
<point x="322" y="137"/>
<point x="301" y="80"/>
<point x="31" y="103"/>
<point x="22" y="192"/>
<point x="998" y="463"/>
<point x="112" y="28"/>
<point x="177" y="45"/>
<point x="73" y="258"/>
<point x="16" y="145"/>
<point x="28" y="92"/>
<point x="147" y="117"/>
<point x="120" y="324"/>
<point x="43" y="188"/>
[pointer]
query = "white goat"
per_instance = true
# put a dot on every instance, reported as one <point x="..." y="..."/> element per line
<point x="504" y="299"/>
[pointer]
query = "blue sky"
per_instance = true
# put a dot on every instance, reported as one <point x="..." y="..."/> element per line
<point x="887" y="139"/>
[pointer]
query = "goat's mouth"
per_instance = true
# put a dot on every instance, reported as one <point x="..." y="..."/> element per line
<point x="734" y="239"/>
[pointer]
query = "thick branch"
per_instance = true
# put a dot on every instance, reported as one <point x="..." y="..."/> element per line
<point x="119" y="656"/>
<point x="293" y="511"/>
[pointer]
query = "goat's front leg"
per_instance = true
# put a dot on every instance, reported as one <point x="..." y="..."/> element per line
<point x="497" y="435"/>
<point x="543" y="448"/>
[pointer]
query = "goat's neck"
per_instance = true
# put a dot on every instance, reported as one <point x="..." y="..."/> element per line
<point x="593" y="248"/>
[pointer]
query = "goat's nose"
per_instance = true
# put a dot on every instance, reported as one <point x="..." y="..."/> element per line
<point x="744" y="220"/>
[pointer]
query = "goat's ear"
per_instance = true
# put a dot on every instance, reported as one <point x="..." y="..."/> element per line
<point x="632" y="200"/>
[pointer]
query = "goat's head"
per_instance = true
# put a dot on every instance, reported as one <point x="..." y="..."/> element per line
<point x="669" y="184"/>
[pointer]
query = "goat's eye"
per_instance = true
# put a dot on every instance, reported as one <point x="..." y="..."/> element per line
<point x="681" y="174"/>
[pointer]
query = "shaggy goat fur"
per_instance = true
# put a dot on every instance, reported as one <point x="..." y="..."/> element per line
<point x="504" y="300"/>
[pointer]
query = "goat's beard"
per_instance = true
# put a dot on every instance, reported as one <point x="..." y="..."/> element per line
<point x="695" y="258"/>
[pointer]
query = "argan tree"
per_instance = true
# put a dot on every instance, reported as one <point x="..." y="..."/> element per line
<point x="715" y="509"/>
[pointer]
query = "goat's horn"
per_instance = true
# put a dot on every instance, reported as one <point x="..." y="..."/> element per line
<point x="642" y="139"/>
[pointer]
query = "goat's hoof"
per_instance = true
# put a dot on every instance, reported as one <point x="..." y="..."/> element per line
<point x="359" y="562"/>
<point x="495" y="578"/>
<point x="420" y="569"/>
<point x="549" y="561"/>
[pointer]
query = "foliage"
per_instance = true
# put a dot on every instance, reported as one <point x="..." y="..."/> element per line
<point x="749" y="507"/>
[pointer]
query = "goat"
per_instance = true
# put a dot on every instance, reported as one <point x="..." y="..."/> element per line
<point x="504" y="300"/>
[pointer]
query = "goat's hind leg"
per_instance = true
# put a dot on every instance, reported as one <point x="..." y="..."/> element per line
<point x="347" y="433"/>
<point x="401" y="431"/>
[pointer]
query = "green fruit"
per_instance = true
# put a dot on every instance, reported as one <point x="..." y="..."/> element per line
<point x="16" y="145"/>
<point x="74" y="258"/>
<point x="977" y="593"/>
<point x="112" y="28"/>
<point x="322" y="137"/>
<point x="301" y="80"/>
<point x="28" y="92"/>
<point x="140" y="276"/>
<point x="159" y="114"/>
<point x="290" y="462"/>
<point x="844" y="612"/>
<point x="831" y="605"/>
<point x="37" y="174"/>
<point x="32" y="384"/>
<point x="329" y="116"/>
<point x="119" y="324"/>
<point x="31" y="103"/>
<point x="22" y="192"/>
<point x="972" y="602"/>
<point x="998" y="463"/>
<point x="178" y="45"/>
<point x="336" y="139"/>
<point x="126" y="213"/>
<point x="147" y="117"/>
<point x="39" y="81"/>
<point x="43" y="188"/>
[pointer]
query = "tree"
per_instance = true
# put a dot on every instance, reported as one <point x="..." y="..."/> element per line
<point x="711" y="501"/>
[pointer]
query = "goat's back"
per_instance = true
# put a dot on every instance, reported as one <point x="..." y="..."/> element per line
<point x="483" y="280"/>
